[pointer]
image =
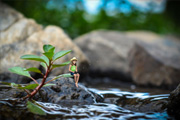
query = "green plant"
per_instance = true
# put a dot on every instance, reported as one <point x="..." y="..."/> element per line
<point x="47" y="61"/>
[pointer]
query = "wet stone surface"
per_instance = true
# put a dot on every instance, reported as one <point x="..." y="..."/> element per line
<point x="174" y="103"/>
<point x="111" y="108"/>
<point x="65" y="101"/>
<point x="64" y="92"/>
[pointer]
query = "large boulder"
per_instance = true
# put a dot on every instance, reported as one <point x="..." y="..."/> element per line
<point x="8" y="16"/>
<point x="20" y="36"/>
<point x="15" y="30"/>
<point x="174" y="104"/>
<point x="108" y="53"/>
<point x="19" y="31"/>
<point x="155" y="64"/>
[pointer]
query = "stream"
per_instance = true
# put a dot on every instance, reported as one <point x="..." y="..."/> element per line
<point x="111" y="108"/>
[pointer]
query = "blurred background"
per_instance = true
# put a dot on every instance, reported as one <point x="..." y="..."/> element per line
<point x="77" y="17"/>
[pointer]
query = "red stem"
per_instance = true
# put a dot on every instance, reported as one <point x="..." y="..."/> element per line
<point x="40" y="85"/>
<point x="27" y="91"/>
<point x="34" y="80"/>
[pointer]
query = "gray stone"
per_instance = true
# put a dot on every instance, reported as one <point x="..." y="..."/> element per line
<point x="20" y="36"/>
<point x="8" y="16"/>
<point x="141" y="56"/>
<point x="108" y="50"/>
<point x="155" y="65"/>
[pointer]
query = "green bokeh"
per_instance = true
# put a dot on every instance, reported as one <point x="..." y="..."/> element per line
<point x="74" y="21"/>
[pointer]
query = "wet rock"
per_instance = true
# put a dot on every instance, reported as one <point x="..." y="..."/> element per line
<point x="64" y="92"/>
<point x="155" y="65"/>
<point x="116" y="105"/>
<point x="174" y="104"/>
<point x="20" y="36"/>
<point x="153" y="103"/>
<point x="143" y="105"/>
<point x="11" y="109"/>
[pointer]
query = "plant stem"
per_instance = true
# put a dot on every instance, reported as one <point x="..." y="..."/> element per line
<point x="27" y="91"/>
<point x="51" y="80"/>
<point x="40" y="85"/>
<point x="34" y="80"/>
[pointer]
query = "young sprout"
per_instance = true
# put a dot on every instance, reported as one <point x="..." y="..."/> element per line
<point x="47" y="61"/>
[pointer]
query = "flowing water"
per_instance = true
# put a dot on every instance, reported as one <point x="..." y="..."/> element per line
<point x="111" y="108"/>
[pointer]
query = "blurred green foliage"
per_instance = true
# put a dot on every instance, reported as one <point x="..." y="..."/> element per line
<point x="73" y="18"/>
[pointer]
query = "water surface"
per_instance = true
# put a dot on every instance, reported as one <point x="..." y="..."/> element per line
<point x="111" y="108"/>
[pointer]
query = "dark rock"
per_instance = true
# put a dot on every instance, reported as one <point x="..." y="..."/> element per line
<point x="142" y="105"/>
<point x="174" y="103"/>
<point x="154" y="103"/>
<point x="64" y="93"/>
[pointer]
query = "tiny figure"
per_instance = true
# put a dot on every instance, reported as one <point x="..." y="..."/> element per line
<point x="73" y="70"/>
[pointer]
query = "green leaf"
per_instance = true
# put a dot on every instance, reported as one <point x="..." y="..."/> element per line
<point x="32" y="57"/>
<point x="33" y="86"/>
<point x="19" y="71"/>
<point x="48" y="48"/>
<point x="35" y="108"/>
<point x="52" y="50"/>
<point x="44" y="65"/>
<point x="49" y="55"/>
<point x="13" y="85"/>
<point x="60" y="54"/>
<point x="60" y="65"/>
<point x="30" y="86"/>
<point x="45" y="59"/>
<point x="46" y="85"/>
<point x="65" y="75"/>
<point x="5" y="83"/>
<point x="33" y="69"/>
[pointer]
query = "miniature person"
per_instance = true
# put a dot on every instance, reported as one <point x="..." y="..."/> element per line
<point x="73" y="70"/>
